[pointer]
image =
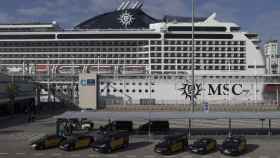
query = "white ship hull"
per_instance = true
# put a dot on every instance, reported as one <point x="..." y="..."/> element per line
<point x="175" y="90"/>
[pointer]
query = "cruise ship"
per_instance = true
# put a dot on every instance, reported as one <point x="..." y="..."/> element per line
<point x="144" y="60"/>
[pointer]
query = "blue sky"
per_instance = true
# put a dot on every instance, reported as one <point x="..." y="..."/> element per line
<point x="261" y="16"/>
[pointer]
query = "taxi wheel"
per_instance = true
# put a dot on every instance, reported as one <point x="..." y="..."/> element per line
<point x="109" y="150"/>
<point x="42" y="147"/>
<point x="125" y="145"/>
<point x="184" y="148"/>
<point x="71" y="148"/>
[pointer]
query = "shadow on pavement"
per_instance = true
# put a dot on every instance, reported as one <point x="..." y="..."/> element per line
<point x="44" y="112"/>
<point x="251" y="148"/>
<point x="136" y="145"/>
<point x="4" y="132"/>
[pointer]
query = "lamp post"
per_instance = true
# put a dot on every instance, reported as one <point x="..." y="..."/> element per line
<point x="193" y="81"/>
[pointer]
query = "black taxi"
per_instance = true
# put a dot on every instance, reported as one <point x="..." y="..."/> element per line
<point x="172" y="144"/>
<point x="234" y="145"/>
<point x="47" y="141"/>
<point x="110" y="141"/>
<point x="203" y="146"/>
<point x="76" y="142"/>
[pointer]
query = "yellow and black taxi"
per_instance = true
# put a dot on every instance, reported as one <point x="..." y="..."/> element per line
<point x="203" y="146"/>
<point x="234" y="145"/>
<point x="172" y="144"/>
<point x="110" y="141"/>
<point x="76" y="142"/>
<point x="47" y="141"/>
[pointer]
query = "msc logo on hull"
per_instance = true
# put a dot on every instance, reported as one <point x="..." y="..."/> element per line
<point x="211" y="89"/>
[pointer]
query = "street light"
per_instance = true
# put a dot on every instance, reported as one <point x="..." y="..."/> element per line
<point x="193" y="81"/>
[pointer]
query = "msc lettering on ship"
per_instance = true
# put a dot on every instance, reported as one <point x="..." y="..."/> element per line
<point x="224" y="89"/>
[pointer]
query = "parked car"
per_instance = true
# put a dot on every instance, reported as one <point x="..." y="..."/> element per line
<point x="234" y="145"/>
<point x="76" y="142"/>
<point x="203" y="146"/>
<point x="110" y="141"/>
<point x="47" y="141"/>
<point x="154" y="127"/>
<point x="172" y="144"/>
<point x="119" y="126"/>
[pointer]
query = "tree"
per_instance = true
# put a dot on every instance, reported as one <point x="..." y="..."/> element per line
<point x="11" y="89"/>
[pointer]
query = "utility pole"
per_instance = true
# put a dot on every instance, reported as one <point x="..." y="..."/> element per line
<point x="193" y="29"/>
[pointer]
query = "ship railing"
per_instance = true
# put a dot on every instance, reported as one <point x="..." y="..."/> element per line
<point x="182" y="105"/>
<point x="102" y="30"/>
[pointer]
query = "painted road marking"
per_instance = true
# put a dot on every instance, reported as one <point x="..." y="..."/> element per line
<point x="20" y="153"/>
<point x="112" y="155"/>
<point x="93" y="155"/>
<point x="39" y="154"/>
<point x="131" y="156"/>
<point x="149" y="156"/>
<point x="56" y="154"/>
<point x="75" y="155"/>
<point x="4" y="154"/>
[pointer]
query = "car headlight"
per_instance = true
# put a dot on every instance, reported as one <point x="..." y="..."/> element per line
<point x="200" y="149"/>
<point x="34" y="145"/>
<point x="103" y="146"/>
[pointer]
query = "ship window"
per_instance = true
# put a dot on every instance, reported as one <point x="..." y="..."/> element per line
<point x="152" y="90"/>
<point x="140" y="91"/>
<point x="127" y="91"/>
<point x="234" y="29"/>
<point x="199" y="36"/>
<point x="184" y="28"/>
<point x="146" y="90"/>
<point x="102" y="36"/>
<point x="139" y="83"/>
<point x="133" y="90"/>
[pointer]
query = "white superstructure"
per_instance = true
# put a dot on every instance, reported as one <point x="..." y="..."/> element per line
<point x="127" y="41"/>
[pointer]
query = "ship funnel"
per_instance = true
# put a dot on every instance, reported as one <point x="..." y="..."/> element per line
<point x="122" y="4"/>
<point x="126" y="5"/>
<point x="135" y="5"/>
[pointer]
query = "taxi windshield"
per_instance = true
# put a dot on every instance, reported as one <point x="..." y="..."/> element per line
<point x="164" y="141"/>
<point x="102" y="138"/>
<point x="232" y="140"/>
